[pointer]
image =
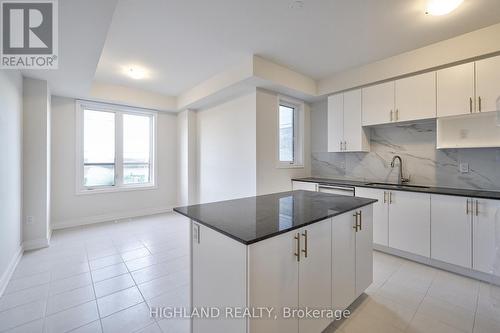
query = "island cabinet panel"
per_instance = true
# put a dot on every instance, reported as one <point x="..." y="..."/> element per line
<point x="364" y="250"/>
<point x="352" y="258"/>
<point x="307" y="186"/>
<point x="315" y="274"/>
<point x="292" y="271"/>
<point x="274" y="281"/>
<point x="218" y="278"/>
<point x="343" y="261"/>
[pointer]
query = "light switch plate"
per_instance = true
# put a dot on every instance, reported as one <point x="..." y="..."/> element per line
<point x="464" y="167"/>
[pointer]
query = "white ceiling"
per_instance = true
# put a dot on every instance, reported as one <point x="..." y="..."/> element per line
<point x="183" y="42"/>
<point x="83" y="25"/>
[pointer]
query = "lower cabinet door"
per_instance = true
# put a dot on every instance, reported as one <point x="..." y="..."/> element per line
<point x="364" y="251"/>
<point x="486" y="231"/>
<point x="218" y="278"/>
<point x="451" y="230"/>
<point x="315" y="280"/>
<point x="410" y="222"/>
<point x="273" y="277"/>
<point x="380" y="213"/>
<point x="343" y="261"/>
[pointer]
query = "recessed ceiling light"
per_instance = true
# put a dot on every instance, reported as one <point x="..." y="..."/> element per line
<point x="442" y="7"/>
<point x="135" y="72"/>
<point x="297" y="4"/>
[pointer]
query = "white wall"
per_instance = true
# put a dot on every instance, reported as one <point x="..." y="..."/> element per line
<point x="271" y="179"/>
<point x="11" y="93"/>
<point x="186" y="157"/>
<point x="69" y="209"/>
<point x="36" y="163"/>
<point x="226" y="150"/>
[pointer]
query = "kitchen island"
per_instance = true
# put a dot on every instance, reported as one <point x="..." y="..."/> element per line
<point x="258" y="259"/>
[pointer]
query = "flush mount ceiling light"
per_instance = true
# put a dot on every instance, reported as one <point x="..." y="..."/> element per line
<point x="135" y="72"/>
<point x="442" y="7"/>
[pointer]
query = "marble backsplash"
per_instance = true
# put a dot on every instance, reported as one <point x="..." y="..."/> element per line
<point x="416" y="144"/>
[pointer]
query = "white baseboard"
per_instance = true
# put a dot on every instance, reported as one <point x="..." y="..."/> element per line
<point x="5" y="277"/>
<point x="108" y="217"/>
<point x="488" y="278"/>
<point x="36" y="244"/>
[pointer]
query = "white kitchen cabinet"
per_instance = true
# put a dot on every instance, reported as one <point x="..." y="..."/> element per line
<point x="451" y="230"/>
<point x="336" y="123"/>
<point x="409" y="222"/>
<point x="345" y="132"/>
<point x="488" y="84"/>
<point x="380" y="213"/>
<point x="307" y="186"/>
<point x="315" y="279"/>
<point x="364" y="250"/>
<point x="217" y="283"/>
<point x="301" y="279"/>
<point x="415" y="97"/>
<point x="352" y="257"/>
<point x="378" y="104"/>
<point x="455" y="90"/>
<point x="273" y="281"/>
<point x="485" y="214"/>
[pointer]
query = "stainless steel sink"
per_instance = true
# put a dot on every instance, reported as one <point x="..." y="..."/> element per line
<point x="397" y="185"/>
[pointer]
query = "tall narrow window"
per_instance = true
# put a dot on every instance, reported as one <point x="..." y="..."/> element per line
<point x="98" y="148"/>
<point x="136" y="149"/>
<point x="286" y="128"/>
<point x="116" y="147"/>
<point x="290" y="133"/>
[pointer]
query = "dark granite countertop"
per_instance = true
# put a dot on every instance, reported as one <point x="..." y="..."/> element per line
<point x="249" y="220"/>
<point x="425" y="189"/>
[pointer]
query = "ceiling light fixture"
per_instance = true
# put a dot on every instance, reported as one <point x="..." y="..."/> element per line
<point x="442" y="7"/>
<point x="136" y="73"/>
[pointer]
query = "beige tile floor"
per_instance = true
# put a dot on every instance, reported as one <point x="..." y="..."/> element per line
<point x="104" y="278"/>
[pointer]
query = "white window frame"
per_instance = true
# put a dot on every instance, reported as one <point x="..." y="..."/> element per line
<point x="298" y="130"/>
<point x="119" y="111"/>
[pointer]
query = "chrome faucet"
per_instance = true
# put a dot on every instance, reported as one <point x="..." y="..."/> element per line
<point x="401" y="179"/>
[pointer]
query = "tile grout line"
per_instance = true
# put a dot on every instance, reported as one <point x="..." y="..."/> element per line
<point x="93" y="288"/>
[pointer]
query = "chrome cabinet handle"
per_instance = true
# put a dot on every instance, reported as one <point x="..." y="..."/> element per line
<point x="470" y="104"/>
<point x="355" y="227"/>
<point x="477" y="207"/>
<point x="385" y="197"/>
<point x="297" y="253"/>
<point x="467" y="207"/>
<point x="360" y="220"/>
<point x="345" y="145"/>
<point x="397" y="114"/>
<point x="391" y="115"/>
<point x="305" y="243"/>
<point x="480" y="102"/>
<point x="390" y="197"/>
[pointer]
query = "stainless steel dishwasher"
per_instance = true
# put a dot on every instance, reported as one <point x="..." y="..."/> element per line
<point x="337" y="189"/>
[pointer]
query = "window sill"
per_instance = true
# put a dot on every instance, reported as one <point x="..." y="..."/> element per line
<point x="290" y="166"/>
<point x="112" y="189"/>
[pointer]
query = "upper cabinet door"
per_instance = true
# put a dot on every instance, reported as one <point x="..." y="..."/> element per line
<point x="355" y="137"/>
<point x="455" y="90"/>
<point x="416" y="97"/>
<point x="378" y="104"/>
<point x="488" y="84"/>
<point x="336" y="123"/>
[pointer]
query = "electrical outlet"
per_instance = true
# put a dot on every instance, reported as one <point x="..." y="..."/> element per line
<point x="30" y="219"/>
<point x="464" y="167"/>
